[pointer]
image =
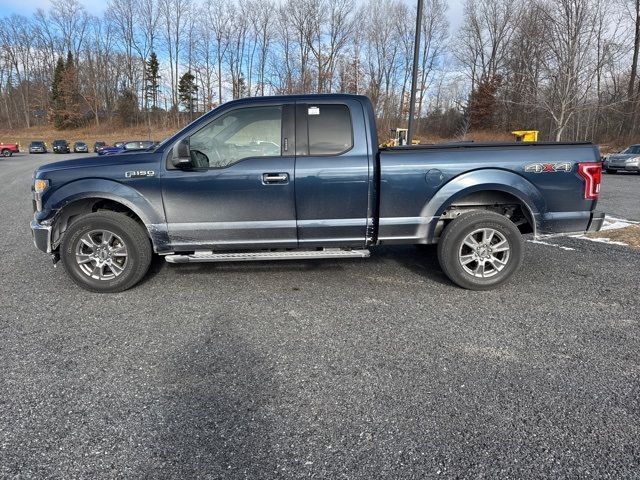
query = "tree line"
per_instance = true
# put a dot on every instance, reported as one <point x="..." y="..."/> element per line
<point x="568" y="68"/>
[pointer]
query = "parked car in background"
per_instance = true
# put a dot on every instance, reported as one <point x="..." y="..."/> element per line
<point x="61" y="146"/>
<point x="628" y="160"/>
<point x="37" y="146"/>
<point x="97" y="146"/>
<point x="107" y="148"/>
<point x="130" y="146"/>
<point x="8" y="149"/>
<point x="80" y="147"/>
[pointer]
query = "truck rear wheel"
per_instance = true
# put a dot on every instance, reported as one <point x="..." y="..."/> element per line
<point x="6" y="152"/>
<point x="106" y="252"/>
<point x="480" y="250"/>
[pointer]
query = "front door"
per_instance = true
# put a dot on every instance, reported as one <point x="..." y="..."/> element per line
<point x="240" y="193"/>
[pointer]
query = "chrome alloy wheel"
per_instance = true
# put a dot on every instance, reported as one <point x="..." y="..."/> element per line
<point x="101" y="254"/>
<point x="484" y="253"/>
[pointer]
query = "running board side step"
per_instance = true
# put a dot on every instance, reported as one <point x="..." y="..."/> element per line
<point x="265" y="256"/>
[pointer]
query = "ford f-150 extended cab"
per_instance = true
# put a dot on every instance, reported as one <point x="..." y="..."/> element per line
<point x="302" y="177"/>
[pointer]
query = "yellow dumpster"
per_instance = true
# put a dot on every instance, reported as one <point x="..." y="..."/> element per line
<point x="525" y="135"/>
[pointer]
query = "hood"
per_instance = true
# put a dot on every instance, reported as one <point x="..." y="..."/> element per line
<point x="98" y="162"/>
<point x="623" y="156"/>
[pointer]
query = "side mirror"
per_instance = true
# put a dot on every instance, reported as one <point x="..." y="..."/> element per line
<point x="181" y="155"/>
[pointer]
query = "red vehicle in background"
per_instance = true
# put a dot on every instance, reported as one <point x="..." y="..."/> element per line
<point x="8" y="149"/>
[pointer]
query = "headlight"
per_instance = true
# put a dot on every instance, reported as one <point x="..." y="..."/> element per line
<point x="634" y="160"/>
<point x="40" y="185"/>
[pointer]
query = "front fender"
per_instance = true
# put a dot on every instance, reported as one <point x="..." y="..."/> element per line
<point x="484" y="180"/>
<point x="100" y="188"/>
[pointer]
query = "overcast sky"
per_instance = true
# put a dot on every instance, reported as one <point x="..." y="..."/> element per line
<point x="96" y="7"/>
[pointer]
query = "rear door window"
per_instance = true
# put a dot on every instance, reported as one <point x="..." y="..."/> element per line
<point x="330" y="131"/>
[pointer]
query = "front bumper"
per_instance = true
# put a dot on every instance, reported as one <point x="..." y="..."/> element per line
<point x="627" y="167"/>
<point x="41" y="236"/>
<point x="597" y="219"/>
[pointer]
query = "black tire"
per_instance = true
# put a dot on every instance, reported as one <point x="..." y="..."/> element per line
<point x="6" y="152"/>
<point x="502" y="264"/>
<point x="126" y="231"/>
<point x="610" y="172"/>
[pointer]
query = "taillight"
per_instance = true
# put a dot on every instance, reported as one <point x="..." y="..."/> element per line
<point x="592" y="174"/>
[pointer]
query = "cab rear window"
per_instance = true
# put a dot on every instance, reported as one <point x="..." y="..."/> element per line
<point x="330" y="130"/>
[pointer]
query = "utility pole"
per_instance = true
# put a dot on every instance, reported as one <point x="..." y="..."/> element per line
<point x="414" y="75"/>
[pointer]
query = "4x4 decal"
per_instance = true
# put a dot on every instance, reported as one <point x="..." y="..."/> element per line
<point x="548" y="167"/>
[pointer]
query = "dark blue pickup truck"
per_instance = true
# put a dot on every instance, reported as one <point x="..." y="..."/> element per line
<point x="302" y="177"/>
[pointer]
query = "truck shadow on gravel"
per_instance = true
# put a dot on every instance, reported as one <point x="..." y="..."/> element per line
<point x="421" y="260"/>
<point x="213" y="412"/>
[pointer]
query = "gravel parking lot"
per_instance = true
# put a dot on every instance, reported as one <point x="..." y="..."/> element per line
<point x="376" y="368"/>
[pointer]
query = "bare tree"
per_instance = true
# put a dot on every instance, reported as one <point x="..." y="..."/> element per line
<point x="218" y="20"/>
<point x="484" y="39"/>
<point x="17" y="44"/>
<point x="123" y="14"/>
<point x="566" y="67"/>
<point x="568" y="64"/>
<point x="433" y="37"/>
<point x="174" y="14"/>
<point x="72" y="20"/>
<point x="263" y="28"/>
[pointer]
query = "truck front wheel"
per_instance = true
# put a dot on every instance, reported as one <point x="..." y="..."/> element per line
<point x="480" y="250"/>
<point x="6" y="152"/>
<point x="105" y="252"/>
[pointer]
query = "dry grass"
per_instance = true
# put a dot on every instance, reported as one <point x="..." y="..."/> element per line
<point x="629" y="235"/>
<point x="481" y="136"/>
<point x="489" y="136"/>
<point x="106" y="133"/>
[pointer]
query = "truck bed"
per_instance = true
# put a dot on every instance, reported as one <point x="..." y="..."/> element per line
<point x="419" y="182"/>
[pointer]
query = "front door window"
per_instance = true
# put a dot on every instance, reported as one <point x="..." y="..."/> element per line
<point x="242" y="133"/>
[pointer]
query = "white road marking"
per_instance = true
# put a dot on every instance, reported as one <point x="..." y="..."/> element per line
<point x="599" y="240"/>
<point x="612" y="223"/>
<point x="561" y="247"/>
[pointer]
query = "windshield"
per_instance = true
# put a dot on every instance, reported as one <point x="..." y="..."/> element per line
<point x="138" y="145"/>
<point x="632" y="150"/>
<point x="37" y="144"/>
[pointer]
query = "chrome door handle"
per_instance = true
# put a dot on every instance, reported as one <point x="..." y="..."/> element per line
<point x="275" y="177"/>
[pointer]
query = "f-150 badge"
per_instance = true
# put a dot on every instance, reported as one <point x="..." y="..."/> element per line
<point x="139" y="173"/>
<point x="548" y="167"/>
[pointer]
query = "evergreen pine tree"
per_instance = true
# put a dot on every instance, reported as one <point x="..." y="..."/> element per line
<point x="71" y="94"/>
<point x="187" y="90"/>
<point x="152" y="79"/>
<point x="127" y="108"/>
<point x="57" y="97"/>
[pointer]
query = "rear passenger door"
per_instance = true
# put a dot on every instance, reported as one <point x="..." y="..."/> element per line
<point x="332" y="174"/>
